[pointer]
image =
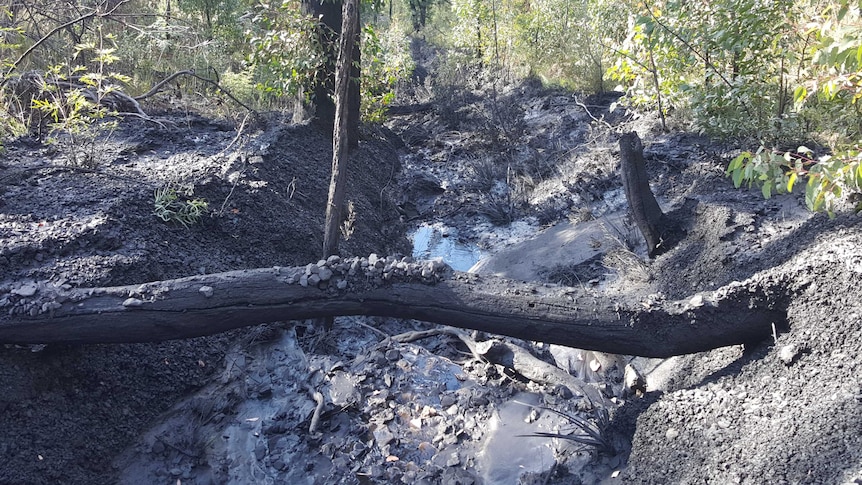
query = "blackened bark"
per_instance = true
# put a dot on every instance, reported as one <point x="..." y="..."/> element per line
<point x="354" y="95"/>
<point x="340" y="139"/>
<point x="742" y="312"/>
<point x="323" y="91"/>
<point x="322" y="105"/>
<point x="645" y="209"/>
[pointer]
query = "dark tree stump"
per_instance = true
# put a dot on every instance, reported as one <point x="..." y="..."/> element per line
<point x="645" y="209"/>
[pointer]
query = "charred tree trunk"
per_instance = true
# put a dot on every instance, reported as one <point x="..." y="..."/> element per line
<point x="205" y="305"/>
<point x="645" y="209"/>
<point x="322" y="105"/>
<point x="354" y="93"/>
<point x="340" y="139"/>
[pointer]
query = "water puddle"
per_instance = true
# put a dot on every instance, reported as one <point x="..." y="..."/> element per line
<point x="507" y="454"/>
<point x="441" y="241"/>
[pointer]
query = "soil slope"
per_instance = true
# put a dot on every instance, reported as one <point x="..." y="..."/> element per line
<point x="66" y="411"/>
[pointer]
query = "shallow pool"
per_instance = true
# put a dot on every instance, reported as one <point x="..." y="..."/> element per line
<point x="440" y="241"/>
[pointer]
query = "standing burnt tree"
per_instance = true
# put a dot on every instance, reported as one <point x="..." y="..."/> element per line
<point x="341" y="133"/>
<point x="329" y="14"/>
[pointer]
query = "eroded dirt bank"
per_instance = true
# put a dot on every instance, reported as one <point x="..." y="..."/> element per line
<point x="68" y="410"/>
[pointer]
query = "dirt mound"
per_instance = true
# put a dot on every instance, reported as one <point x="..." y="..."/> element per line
<point x="69" y="409"/>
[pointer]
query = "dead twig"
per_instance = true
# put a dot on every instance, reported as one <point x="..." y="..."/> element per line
<point x="590" y="114"/>
<point x="177" y="448"/>
<point x="318" y="410"/>
<point x="239" y="133"/>
<point x="192" y="73"/>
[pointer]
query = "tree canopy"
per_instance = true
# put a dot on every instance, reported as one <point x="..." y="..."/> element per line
<point x="784" y="76"/>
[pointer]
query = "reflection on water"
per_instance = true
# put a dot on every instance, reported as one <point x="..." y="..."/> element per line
<point x="430" y="242"/>
<point x="508" y="453"/>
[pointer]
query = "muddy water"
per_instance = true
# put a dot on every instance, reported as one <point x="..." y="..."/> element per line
<point x="441" y="241"/>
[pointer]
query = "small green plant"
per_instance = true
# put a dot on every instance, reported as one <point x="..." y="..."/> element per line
<point x="285" y="49"/>
<point x="170" y="208"/>
<point x="348" y="225"/>
<point x="73" y="97"/>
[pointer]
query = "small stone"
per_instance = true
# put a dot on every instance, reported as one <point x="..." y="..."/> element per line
<point x="28" y="289"/>
<point x="260" y="451"/>
<point x="342" y="284"/>
<point x="696" y="301"/>
<point x="564" y="392"/>
<point x="671" y="433"/>
<point x="313" y="280"/>
<point x="303" y="280"/>
<point x="634" y="381"/>
<point x="447" y="400"/>
<point x="206" y="291"/>
<point x="393" y="355"/>
<point x="176" y="471"/>
<point x="334" y="259"/>
<point x="437" y="264"/>
<point x="133" y="302"/>
<point x="325" y="274"/>
<point x="788" y="353"/>
<point x="453" y="459"/>
<point x="373" y="259"/>
<point x="383" y="436"/>
<point x="50" y="306"/>
<point x="158" y="447"/>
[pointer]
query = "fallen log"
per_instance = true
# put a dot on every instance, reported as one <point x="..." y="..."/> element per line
<point x="40" y="312"/>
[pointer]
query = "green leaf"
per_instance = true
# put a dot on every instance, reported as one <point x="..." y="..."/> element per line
<point x="799" y="94"/>
<point x="737" y="162"/>
<point x="791" y="181"/>
<point x="767" y="190"/>
<point x="737" y="177"/>
<point x="810" y="193"/>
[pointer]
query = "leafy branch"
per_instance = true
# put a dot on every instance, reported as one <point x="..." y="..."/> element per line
<point x="52" y="32"/>
<point x="829" y="178"/>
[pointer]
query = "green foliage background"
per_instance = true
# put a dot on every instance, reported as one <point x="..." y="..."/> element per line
<point x="774" y="74"/>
